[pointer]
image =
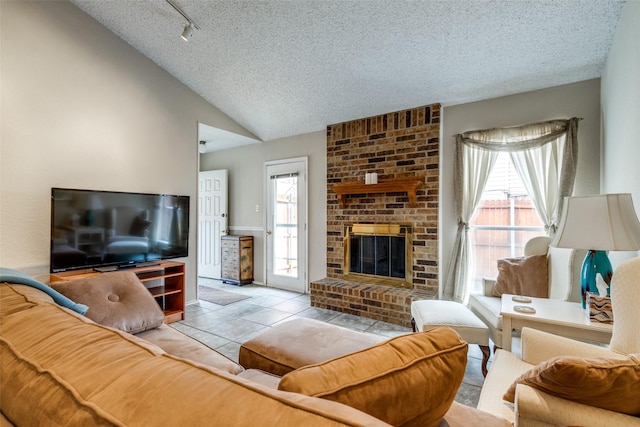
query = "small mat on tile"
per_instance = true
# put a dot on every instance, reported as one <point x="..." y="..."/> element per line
<point x="218" y="296"/>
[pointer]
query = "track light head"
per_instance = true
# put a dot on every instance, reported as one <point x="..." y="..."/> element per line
<point x="188" y="29"/>
<point x="188" y="32"/>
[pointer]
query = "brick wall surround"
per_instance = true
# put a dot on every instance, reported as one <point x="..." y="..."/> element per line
<point x="401" y="144"/>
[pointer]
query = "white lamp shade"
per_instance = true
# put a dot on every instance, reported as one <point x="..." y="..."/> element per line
<point x="606" y="222"/>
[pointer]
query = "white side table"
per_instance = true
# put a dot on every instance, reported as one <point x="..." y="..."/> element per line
<point x="567" y="319"/>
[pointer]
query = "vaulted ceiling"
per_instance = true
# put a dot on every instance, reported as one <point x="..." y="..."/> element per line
<point x="288" y="67"/>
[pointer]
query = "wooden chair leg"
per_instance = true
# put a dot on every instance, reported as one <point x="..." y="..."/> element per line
<point x="486" y="352"/>
<point x="413" y="325"/>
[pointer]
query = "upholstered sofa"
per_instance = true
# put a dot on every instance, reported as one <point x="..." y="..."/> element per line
<point x="60" y="367"/>
<point x="562" y="270"/>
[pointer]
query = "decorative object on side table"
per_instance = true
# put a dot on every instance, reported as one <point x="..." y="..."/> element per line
<point x="599" y="223"/>
<point x="599" y="308"/>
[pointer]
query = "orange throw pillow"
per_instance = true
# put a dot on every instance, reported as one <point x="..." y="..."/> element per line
<point x="408" y="380"/>
<point x="606" y="383"/>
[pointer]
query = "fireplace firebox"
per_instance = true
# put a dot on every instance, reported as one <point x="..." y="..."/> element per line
<point x="378" y="253"/>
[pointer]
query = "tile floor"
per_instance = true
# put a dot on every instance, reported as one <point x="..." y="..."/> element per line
<point x="225" y="328"/>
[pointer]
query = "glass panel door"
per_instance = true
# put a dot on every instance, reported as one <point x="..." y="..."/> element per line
<point x="285" y="233"/>
<point x="285" y="227"/>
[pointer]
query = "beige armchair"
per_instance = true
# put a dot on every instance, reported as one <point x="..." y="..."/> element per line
<point x="564" y="276"/>
<point x="533" y="407"/>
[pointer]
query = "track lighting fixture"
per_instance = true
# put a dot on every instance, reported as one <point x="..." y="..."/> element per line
<point x="187" y="33"/>
<point x="188" y="29"/>
<point x="203" y="147"/>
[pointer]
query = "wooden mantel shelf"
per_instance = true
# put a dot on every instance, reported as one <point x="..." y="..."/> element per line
<point x="408" y="186"/>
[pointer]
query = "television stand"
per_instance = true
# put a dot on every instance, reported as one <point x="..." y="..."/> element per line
<point x="145" y="264"/>
<point x="163" y="279"/>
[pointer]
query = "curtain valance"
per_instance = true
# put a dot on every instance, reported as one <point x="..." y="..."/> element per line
<point x="517" y="138"/>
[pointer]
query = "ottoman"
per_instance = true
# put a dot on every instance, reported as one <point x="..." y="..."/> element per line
<point x="301" y="342"/>
<point x="429" y="314"/>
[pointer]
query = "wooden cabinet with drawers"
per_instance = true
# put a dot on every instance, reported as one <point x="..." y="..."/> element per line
<point x="237" y="259"/>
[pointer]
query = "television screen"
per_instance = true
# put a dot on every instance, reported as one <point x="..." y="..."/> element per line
<point x="91" y="229"/>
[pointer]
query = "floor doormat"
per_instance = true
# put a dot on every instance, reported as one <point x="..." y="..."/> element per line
<point x="218" y="296"/>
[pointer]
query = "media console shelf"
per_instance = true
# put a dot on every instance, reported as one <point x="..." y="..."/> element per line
<point x="164" y="280"/>
<point x="409" y="186"/>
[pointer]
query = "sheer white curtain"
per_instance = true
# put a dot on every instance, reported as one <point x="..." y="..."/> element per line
<point x="548" y="169"/>
<point x="472" y="168"/>
<point x="545" y="156"/>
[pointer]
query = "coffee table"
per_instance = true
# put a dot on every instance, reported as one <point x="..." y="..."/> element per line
<point x="567" y="319"/>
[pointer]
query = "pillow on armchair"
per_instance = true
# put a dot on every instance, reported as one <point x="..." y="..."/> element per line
<point x="606" y="383"/>
<point x="115" y="299"/>
<point x="523" y="276"/>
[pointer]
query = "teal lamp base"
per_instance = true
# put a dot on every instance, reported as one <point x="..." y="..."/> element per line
<point x="595" y="262"/>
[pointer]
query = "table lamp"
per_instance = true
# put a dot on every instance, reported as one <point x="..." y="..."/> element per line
<point x="599" y="223"/>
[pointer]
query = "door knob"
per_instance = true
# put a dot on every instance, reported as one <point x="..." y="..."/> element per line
<point x="268" y="232"/>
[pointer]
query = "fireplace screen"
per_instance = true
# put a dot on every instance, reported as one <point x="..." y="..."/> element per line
<point x="378" y="253"/>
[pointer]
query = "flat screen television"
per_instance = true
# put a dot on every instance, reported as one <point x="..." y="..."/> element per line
<point x="106" y="230"/>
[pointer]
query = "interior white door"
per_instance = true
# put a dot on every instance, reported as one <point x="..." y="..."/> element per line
<point x="212" y="221"/>
<point x="286" y="224"/>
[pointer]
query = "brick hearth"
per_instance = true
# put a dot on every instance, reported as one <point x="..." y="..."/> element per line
<point x="403" y="144"/>
<point x="386" y="303"/>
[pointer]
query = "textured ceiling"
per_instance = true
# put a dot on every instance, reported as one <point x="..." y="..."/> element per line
<point x="282" y="68"/>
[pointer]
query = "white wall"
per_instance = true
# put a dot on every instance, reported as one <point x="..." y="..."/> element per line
<point x="580" y="99"/>
<point x="83" y="109"/>
<point x="621" y="108"/>
<point x="621" y="114"/>
<point x="246" y="190"/>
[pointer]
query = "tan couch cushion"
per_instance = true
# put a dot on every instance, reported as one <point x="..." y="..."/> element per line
<point x="408" y="380"/>
<point x="62" y="369"/>
<point x="261" y="377"/>
<point x="16" y="298"/>
<point x="523" y="276"/>
<point x="116" y="299"/>
<point x="606" y="383"/>
<point x="64" y="405"/>
<point x="177" y="344"/>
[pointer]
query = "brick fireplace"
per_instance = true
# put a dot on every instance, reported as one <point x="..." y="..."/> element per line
<point x="401" y="147"/>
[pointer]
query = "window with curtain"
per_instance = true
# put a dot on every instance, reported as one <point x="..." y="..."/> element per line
<point x="544" y="156"/>
<point x="503" y="222"/>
